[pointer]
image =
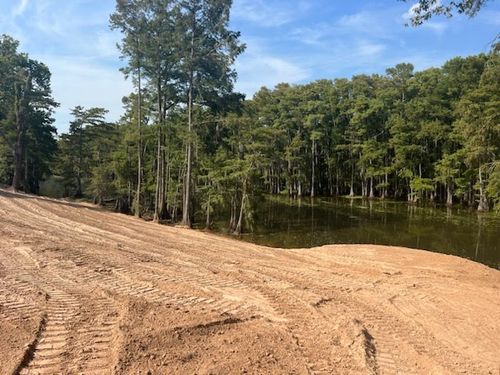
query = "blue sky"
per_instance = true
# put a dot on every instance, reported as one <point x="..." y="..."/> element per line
<point x="292" y="41"/>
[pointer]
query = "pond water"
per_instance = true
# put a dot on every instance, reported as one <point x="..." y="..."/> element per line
<point x="289" y="223"/>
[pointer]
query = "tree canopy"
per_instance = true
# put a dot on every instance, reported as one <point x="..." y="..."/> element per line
<point x="187" y="145"/>
<point x="26" y="106"/>
<point x="423" y="10"/>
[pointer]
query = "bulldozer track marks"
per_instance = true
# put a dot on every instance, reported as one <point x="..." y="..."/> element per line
<point x="75" y="271"/>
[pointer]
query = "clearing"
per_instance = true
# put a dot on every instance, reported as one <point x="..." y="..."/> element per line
<point x="85" y="291"/>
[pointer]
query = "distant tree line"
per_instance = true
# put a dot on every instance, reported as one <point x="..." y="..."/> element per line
<point x="429" y="136"/>
<point x="187" y="145"/>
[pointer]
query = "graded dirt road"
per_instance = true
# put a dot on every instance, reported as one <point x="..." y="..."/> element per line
<point x="85" y="291"/>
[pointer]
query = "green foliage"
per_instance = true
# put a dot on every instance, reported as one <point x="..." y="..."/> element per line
<point x="421" y="185"/>
<point x="183" y="51"/>
<point x="52" y="187"/>
<point x="27" y="144"/>
<point x="423" y="10"/>
<point x="493" y="187"/>
<point x="85" y="157"/>
<point x="188" y="144"/>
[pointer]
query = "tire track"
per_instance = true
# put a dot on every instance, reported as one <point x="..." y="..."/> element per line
<point x="140" y="283"/>
<point x="59" y="344"/>
<point x="404" y="347"/>
<point x="50" y="353"/>
<point x="96" y="338"/>
<point x="13" y="307"/>
<point x="77" y="268"/>
<point x="320" y="348"/>
<point x="222" y="306"/>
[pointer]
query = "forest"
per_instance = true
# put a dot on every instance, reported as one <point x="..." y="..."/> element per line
<point x="188" y="144"/>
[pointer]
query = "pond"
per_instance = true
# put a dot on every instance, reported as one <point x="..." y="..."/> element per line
<point x="291" y="223"/>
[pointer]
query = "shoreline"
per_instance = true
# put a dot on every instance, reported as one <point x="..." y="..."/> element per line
<point x="494" y="264"/>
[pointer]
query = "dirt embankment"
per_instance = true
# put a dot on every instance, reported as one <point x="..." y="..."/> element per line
<point x="84" y="291"/>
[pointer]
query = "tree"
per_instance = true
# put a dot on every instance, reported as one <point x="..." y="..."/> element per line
<point x="130" y="20"/>
<point x="26" y="106"/>
<point x="425" y="9"/>
<point x="82" y="148"/>
<point x="479" y="124"/>
<point x="208" y="50"/>
<point x="421" y="136"/>
<point x="184" y="50"/>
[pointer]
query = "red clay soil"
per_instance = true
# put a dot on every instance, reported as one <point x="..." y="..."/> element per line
<point x="85" y="291"/>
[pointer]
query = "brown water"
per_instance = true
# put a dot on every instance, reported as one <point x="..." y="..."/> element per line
<point x="287" y="223"/>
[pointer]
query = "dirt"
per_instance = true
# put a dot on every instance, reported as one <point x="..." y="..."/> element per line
<point x="85" y="291"/>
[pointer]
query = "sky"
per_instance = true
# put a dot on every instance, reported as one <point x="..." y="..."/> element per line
<point x="294" y="41"/>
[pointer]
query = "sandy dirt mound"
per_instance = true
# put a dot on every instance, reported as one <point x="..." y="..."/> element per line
<point x="85" y="291"/>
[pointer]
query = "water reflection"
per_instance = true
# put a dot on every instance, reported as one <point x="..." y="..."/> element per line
<point x="288" y="223"/>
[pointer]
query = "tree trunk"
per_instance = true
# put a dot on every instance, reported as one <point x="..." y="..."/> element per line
<point x="21" y="103"/>
<point x="137" y="209"/>
<point x="207" y="222"/>
<point x="483" y="200"/>
<point x="186" y="209"/>
<point x="186" y="217"/>
<point x="159" y="160"/>
<point x="372" y="194"/>
<point x="470" y="195"/>
<point x="156" y="216"/>
<point x="167" y="178"/>
<point x="449" y="194"/>
<point x="384" y="189"/>
<point x="79" y="188"/>
<point x="337" y="187"/>
<point x="129" y="182"/>
<point x="278" y="183"/>
<point x="17" y="181"/>
<point x="239" y="225"/>
<point x="27" y="186"/>
<point x="330" y="181"/>
<point x="351" y="193"/>
<point x="312" y="168"/>
<point x="232" y="220"/>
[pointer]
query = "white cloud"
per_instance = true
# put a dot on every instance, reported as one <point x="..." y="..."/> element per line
<point x="267" y="13"/>
<point x="361" y="20"/>
<point x="407" y="16"/>
<point x="311" y="35"/>
<point x="20" y="8"/>
<point x="377" y="23"/>
<point x="368" y="49"/>
<point x="374" y="25"/>
<point x="437" y="27"/>
<point x="257" y="67"/>
<point x="76" y="81"/>
<point x="416" y="6"/>
<point x="105" y="45"/>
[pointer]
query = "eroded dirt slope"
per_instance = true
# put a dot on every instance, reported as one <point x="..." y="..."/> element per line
<point x="84" y="291"/>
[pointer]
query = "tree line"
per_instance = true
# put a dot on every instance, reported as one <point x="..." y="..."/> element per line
<point x="188" y="145"/>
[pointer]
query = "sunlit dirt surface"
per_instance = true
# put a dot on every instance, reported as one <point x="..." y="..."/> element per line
<point x="85" y="291"/>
